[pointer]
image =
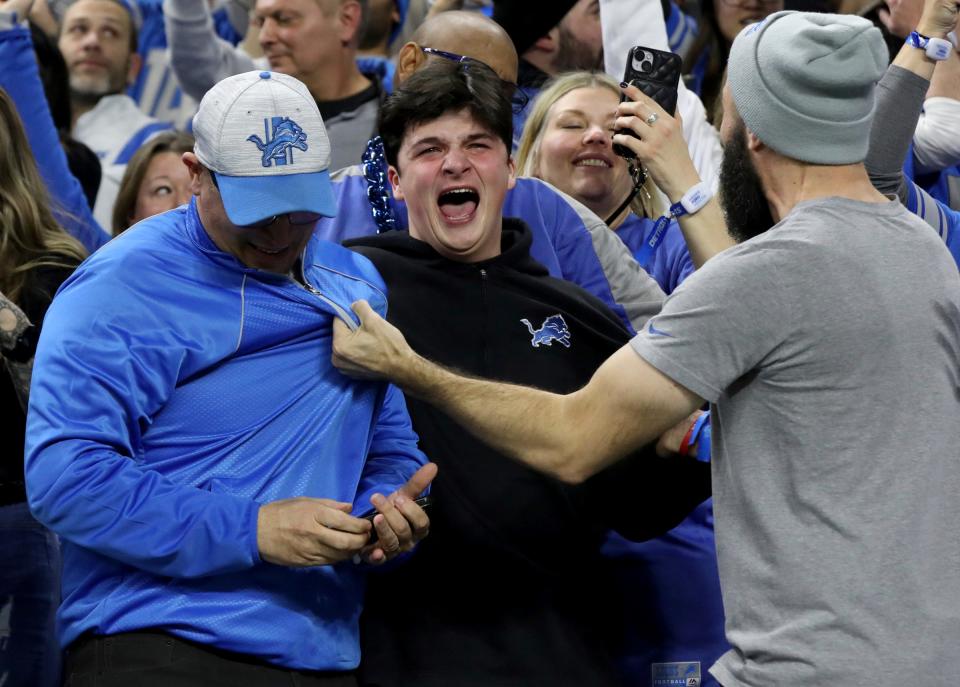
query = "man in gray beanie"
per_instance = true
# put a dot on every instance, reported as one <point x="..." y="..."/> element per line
<point x="829" y="348"/>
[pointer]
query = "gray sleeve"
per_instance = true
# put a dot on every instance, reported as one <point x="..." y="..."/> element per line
<point x="721" y="322"/>
<point x="900" y="96"/>
<point x="198" y="56"/>
<point x="632" y="288"/>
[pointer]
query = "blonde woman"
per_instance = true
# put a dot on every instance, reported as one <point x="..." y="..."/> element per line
<point x="567" y="142"/>
<point x="36" y="256"/>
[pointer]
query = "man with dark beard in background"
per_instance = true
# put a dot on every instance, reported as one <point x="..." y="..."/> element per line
<point x="551" y="37"/>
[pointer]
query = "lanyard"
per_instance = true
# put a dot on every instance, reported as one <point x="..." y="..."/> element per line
<point x="650" y="246"/>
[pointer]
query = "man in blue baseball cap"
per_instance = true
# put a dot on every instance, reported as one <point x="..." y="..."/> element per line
<point x="189" y="440"/>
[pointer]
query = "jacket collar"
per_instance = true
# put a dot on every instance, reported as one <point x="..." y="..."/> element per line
<point x="515" y="241"/>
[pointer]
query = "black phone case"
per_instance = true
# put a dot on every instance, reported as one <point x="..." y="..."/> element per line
<point x="657" y="74"/>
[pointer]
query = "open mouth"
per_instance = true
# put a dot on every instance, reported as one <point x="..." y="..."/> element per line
<point x="592" y="162"/>
<point x="458" y="204"/>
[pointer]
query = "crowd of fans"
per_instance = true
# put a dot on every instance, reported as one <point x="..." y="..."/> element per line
<point x="526" y="578"/>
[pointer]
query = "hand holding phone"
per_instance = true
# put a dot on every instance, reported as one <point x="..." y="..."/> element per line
<point x="424" y="502"/>
<point x="657" y="74"/>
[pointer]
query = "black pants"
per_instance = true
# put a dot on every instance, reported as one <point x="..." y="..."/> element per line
<point x="154" y="659"/>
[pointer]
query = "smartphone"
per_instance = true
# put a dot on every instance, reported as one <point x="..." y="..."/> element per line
<point x="424" y="502"/>
<point x="657" y="74"/>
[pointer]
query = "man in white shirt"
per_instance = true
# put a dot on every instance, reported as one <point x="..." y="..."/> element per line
<point x="98" y="39"/>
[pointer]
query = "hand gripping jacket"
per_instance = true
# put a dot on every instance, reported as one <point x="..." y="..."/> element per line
<point x="175" y="391"/>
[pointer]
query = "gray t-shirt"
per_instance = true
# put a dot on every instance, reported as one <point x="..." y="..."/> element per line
<point x="830" y="346"/>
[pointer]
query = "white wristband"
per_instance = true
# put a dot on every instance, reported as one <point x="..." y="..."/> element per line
<point x="698" y="196"/>
<point x="937" y="49"/>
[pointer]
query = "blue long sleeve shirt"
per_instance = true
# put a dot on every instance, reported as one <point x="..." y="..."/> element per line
<point x="175" y="391"/>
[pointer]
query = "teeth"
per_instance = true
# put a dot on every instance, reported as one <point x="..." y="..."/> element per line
<point x="591" y="163"/>
<point x="460" y="190"/>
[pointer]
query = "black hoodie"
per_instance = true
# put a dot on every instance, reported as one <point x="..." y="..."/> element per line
<point x="505" y="590"/>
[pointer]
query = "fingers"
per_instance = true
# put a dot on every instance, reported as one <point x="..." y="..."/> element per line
<point x="400" y="525"/>
<point x="420" y="480"/>
<point x="363" y="311"/>
<point x="338" y="518"/>
<point x="417" y="518"/>
<point x="393" y="529"/>
<point x="307" y="531"/>
<point x="640" y="104"/>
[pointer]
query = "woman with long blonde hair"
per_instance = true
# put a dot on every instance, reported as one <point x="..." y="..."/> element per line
<point x="567" y="141"/>
<point x="36" y="256"/>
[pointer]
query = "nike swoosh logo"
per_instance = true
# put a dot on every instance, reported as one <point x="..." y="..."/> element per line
<point x="658" y="332"/>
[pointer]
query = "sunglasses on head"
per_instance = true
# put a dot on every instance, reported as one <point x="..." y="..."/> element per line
<point x="299" y="218"/>
<point x="518" y="99"/>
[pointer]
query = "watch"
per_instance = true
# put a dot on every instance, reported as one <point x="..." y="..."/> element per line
<point x="937" y="49"/>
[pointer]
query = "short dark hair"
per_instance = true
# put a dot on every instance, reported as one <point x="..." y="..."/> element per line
<point x="440" y="87"/>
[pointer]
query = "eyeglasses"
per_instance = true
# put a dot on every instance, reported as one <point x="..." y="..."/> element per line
<point x="518" y="98"/>
<point x="298" y="218"/>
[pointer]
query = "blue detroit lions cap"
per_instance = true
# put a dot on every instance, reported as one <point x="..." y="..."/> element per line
<point x="262" y="136"/>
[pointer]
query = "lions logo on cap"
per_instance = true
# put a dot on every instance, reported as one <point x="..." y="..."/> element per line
<point x="286" y="136"/>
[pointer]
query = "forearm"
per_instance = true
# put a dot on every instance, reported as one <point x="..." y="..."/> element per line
<point x="705" y="233"/>
<point x="526" y="424"/>
<point x="899" y="100"/>
<point x="627" y="404"/>
<point x="198" y="56"/>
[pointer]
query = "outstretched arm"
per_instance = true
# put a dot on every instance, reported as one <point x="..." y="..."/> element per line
<point x="627" y="404"/>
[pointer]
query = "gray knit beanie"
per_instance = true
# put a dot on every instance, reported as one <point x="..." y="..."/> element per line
<point x="804" y="84"/>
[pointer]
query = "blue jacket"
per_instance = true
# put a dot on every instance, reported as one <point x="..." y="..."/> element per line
<point x="564" y="238"/>
<point x="20" y="79"/>
<point x="932" y="203"/>
<point x="176" y="390"/>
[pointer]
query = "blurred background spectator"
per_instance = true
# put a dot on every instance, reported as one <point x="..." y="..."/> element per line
<point x="156" y="180"/>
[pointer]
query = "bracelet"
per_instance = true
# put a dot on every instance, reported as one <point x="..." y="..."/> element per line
<point x="693" y="434"/>
<point x="937" y="49"/>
